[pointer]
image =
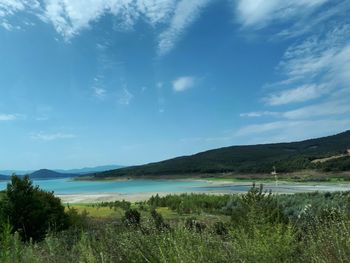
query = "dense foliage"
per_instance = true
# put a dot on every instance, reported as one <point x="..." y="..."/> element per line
<point x="31" y="211"/>
<point x="286" y="157"/>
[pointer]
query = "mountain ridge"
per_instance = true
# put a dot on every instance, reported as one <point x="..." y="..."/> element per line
<point x="84" y="170"/>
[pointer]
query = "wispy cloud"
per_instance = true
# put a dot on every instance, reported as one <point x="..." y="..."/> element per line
<point x="300" y="94"/>
<point x="256" y="114"/>
<point x="313" y="72"/>
<point x="185" y="14"/>
<point x="10" y="7"/>
<point x="289" y="130"/>
<point x="69" y="18"/>
<point x="125" y="97"/>
<point x="52" y="136"/>
<point x="260" y="13"/>
<point x="324" y="109"/>
<point x="99" y="92"/>
<point x="318" y="66"/>
<point x="183" y="83"/>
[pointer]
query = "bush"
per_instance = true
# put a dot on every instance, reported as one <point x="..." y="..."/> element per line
<point x="220" y="228"/>
<point x="77" y="220"/>
<point x="257" y="207"/>
<point x="30" y="211"/>
<point x="158" y="220"/>
<point x="132" y="217"/>
<point x="192" y="223"/>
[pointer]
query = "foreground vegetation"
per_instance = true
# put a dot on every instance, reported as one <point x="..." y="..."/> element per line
<point x="254" y="227"/>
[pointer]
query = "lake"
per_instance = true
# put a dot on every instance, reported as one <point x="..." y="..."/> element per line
<point x="69" y="186"/>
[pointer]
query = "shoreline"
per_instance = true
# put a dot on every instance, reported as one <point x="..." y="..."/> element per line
<point x="218" y="188"/>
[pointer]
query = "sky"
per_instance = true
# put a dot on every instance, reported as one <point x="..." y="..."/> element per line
<point x="96" y="82"/>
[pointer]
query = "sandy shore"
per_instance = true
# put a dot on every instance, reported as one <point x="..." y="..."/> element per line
<point x="218" y="187"/>
<point x="107" y="197"/>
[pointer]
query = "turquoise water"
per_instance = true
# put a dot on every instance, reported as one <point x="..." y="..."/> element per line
<point x="68" y="186"/>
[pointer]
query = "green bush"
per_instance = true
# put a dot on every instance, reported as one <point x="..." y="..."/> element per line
<point x="30" y="211"/>
<point x="132" y="217"/>
<point x="158" y="220"/>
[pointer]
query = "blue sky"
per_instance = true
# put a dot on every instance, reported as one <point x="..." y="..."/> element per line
<point x="94" y="82"/>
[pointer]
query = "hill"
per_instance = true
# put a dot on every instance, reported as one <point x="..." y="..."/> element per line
<point x="286" y="157"/>
<point x="84" y="170"/>
<point x="49" y="174"/>
<point x="17" y="172"/>
<point x="4" y="177"/>
<point x="87" y="170"/>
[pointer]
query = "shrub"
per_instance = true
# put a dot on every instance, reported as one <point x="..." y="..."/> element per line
<point x="220" y="228"/>
<point x="192" y="223"/>
<point x="76" y="219"/>
<point x="132" y="217"/>
<point x="158" y="220"/>
<point x="30" y="211"/>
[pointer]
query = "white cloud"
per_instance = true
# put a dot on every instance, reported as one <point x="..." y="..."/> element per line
<point x="318" y="66"/>
<point x="52" y="136"/>
<point x="8" y="117"/>
<point x="335" y="107"/>
<point x="183" y="83"/>
<point x="70" y="17"/>
<point x="290" y="130"/>
<point x="125" y="97"/>
<point x="185" y="14"/>
<point x="259" y="13"/>
<point x="256" y="114"/>
<point x="300" y="94"/>
<point x="10" y="7"/>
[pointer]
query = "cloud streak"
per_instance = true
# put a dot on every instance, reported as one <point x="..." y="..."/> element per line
<point x="69" y="18"/>
<point x="41" y="136"/>
<point x="8" y="117"/>
<point x="260" y="13"/>
<point x="185" y="14"/>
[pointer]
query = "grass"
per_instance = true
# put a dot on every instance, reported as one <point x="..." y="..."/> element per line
<point x="98" y="212"/>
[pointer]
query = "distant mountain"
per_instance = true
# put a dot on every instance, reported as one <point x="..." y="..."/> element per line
<point x="4" y="177"/>
<point x="17" y="172"/>
<point x="49" y="174"/>
<point x="286" y="157"/>
<point x="88" y="170"/>
<point x="85" y="170"/>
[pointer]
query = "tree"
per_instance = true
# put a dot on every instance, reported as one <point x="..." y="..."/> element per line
<point x="31" y="211"/>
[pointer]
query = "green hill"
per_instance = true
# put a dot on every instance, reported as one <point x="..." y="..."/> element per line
<point x="286" y="157"/>
<point x="49" y="174"/>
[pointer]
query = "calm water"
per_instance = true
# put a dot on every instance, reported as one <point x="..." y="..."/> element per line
<point x="68" y="186"/>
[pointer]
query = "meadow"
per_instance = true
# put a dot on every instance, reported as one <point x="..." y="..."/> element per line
<point x="253" y="227"/>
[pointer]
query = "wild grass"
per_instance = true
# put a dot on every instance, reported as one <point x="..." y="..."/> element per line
<point x="255" y="227"/>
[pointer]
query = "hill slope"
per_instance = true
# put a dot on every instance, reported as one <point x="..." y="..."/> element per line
<point x="287" y="157"/>
<point x="4" y="177"/>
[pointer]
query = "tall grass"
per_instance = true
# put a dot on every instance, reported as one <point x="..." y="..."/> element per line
<point x="320" y="234"/>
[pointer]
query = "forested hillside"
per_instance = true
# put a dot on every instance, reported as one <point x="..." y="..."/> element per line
<point x="286" y="157"/>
